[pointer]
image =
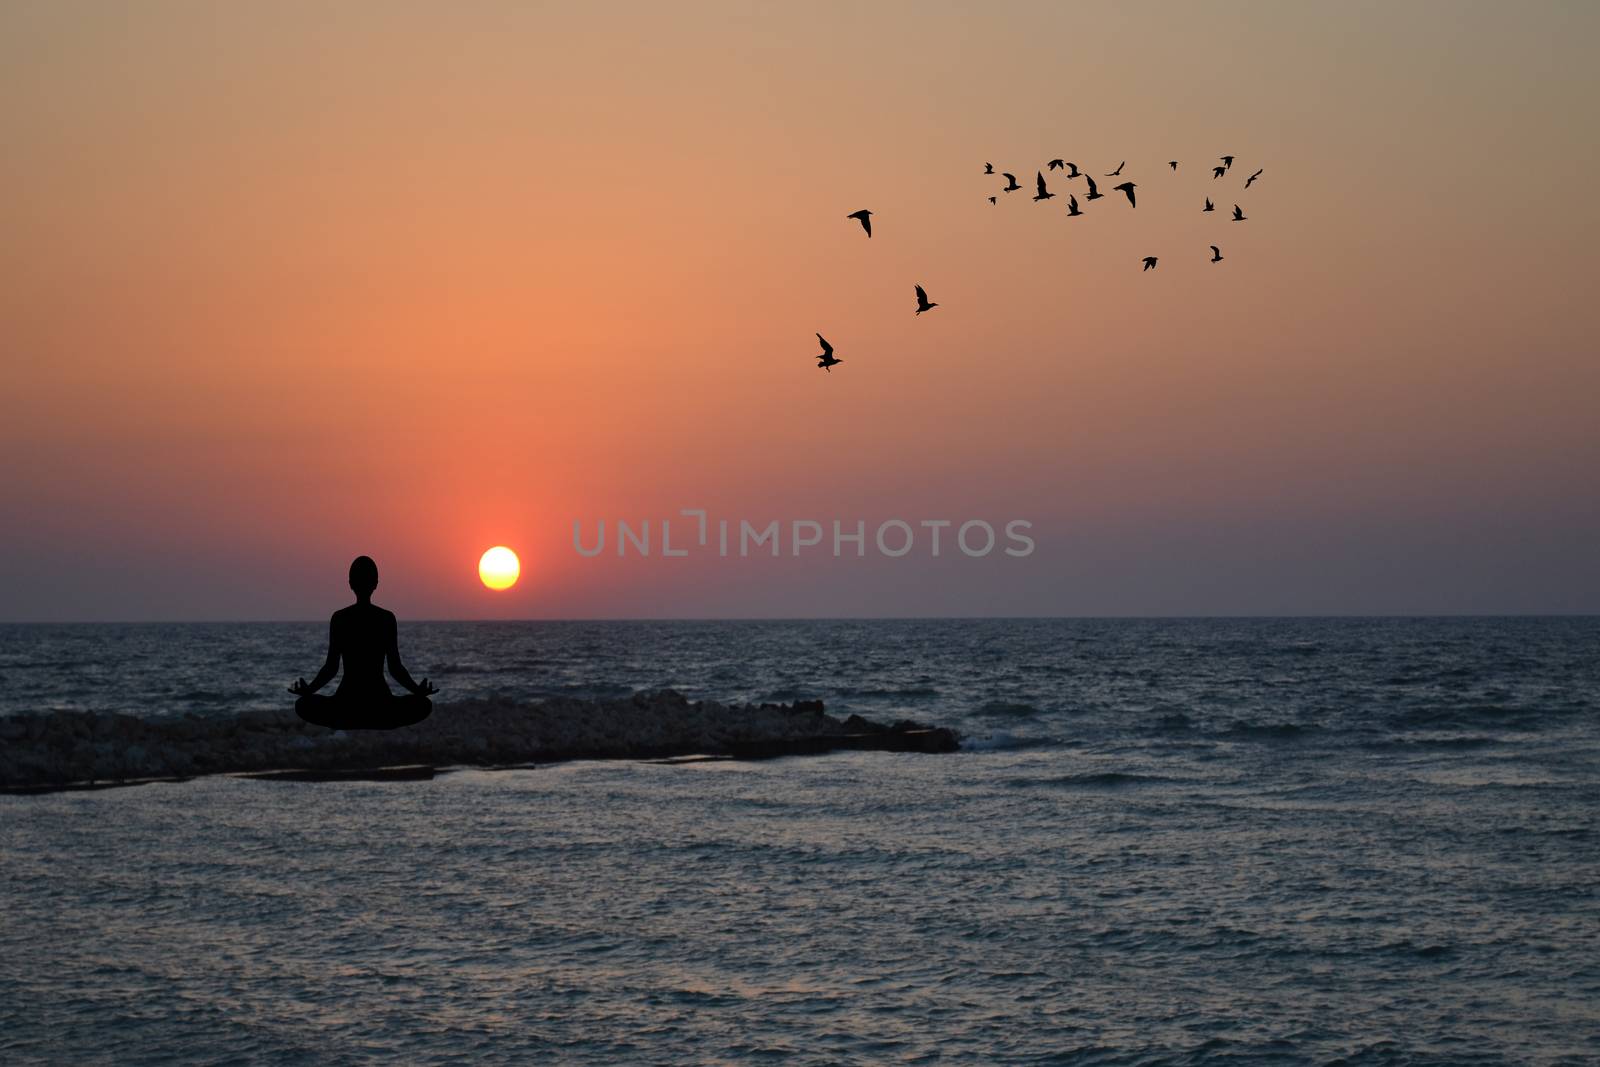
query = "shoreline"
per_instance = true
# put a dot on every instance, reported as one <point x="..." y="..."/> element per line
<point x="75" y="751"/>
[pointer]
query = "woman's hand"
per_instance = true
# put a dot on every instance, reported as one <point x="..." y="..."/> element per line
<point x="425" y="688"/>
<point x="300" y="688"/>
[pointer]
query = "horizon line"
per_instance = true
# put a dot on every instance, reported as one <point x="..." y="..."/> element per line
<point x="839" y="618"/>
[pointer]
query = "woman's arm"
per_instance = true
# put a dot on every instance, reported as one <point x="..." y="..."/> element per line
<point x="330" y="667"/>
<point x="398" y="669"/>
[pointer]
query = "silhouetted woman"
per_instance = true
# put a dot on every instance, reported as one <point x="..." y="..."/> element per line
<point x="364" y="636"/>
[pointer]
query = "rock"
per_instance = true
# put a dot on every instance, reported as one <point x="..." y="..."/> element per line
<point x="60" y="748"/>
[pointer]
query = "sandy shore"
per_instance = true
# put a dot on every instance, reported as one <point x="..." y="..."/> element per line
<point x="65" y="748"/>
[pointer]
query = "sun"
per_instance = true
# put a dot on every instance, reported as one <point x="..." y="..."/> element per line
<point x="499" y="568"/>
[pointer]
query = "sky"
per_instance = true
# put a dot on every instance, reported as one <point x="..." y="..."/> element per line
<point x="287" y="283"/>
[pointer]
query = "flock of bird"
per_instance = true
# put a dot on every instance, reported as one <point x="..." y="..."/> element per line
<point x="827" y="360"/>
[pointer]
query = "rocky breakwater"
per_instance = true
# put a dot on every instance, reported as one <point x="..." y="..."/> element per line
<point x="66" y="748"/>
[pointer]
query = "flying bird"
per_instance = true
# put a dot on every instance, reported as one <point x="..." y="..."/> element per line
<point x="1149" y="263"/>
<point x="1128" y="187"/>
<point x="1043" y="193"/>
<point x="922" y="302"/>
<point x="1217" y="172"/>
<point x="864" y="217"/>
<point x="992" y="199"/>
<point x="988" y="168"/>
<point x="1227" y="161"/>
<point x="1012" y="178"/>
<point x="1216" y="254"/>
<point x="826" y="360"/>
<point x="1208" y="206"/>
<point x="1173" y="163"/>
<point x="1238" y="216"/>
<point x="1252" y="178"/>
<point x="1094" y="193"/>
<point x="1072" y="170"/>
<point x="1054" y="164"/>
<point x="1118" y="171"/>
<point x="1072" y="206"/>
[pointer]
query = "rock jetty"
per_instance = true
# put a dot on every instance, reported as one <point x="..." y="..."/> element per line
<point x="69" y="749"/>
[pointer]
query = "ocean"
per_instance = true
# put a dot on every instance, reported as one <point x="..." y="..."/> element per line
<point x="1164" y="841"/>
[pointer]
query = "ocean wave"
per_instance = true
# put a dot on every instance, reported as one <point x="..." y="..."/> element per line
<point x="1465" y="716"/>
<point x="1409" y="744"/>
<point x="1406" y="947"/>
<point x="1097" y="780"/>
<point x="1002" y="709"/>
<point x="213" y="696"/>
<point x="873" y="692"/>
<point x="1268" y="731"/>
<point x="1002" y="741"/>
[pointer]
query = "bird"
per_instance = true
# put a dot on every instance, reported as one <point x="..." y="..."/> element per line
<point x="1216" y="254"/>
<point x="826" y="360"/>
<point x="1208" y="206"/>
<point x="1217" y="172"/>
<point x="1149" y="262"/>
<point x="1252" y="178"/>
<point x="1173" y="163"/>
<point x="1227" y="161"/>
<point x="1012" y="178"/>
<point x="1238" y="216"/>
<point x="1118" y="171"/>
<point x="992" y="199"/>
<point x="1094" y="193"/>
<point x="1072" y="206"/>
<point x="1043" y="193"/>
<point x="1128" y="187"/>
<point x="864" y="217"/>
<point x="988" y="168"/>
<point x="922" y="301"/>
<point x="1054" y="164"/>
<point x="1072" y="170"/>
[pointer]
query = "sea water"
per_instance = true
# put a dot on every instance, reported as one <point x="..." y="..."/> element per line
<point x="1184" y="841"/>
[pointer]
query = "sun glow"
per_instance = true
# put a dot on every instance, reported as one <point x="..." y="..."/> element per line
<point x="499" y="568"/>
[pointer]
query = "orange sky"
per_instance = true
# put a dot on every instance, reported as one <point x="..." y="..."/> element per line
<point x="285" y="283"/>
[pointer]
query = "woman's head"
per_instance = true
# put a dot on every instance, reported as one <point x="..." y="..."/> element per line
<point x="363" y="576"/>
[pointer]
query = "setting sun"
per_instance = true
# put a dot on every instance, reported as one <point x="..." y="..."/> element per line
<point x="499" y="568"/>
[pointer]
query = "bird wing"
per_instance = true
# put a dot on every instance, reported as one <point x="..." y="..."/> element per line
<point x="922" y="295"/>
<point x="1072" y="200"/>
<point x="1216" y="251"/>
<point x="1092" y="188"/>
<point x="1006" y="174"/>
<point x="1038" y="177"/>
<point x="827" y="349"/>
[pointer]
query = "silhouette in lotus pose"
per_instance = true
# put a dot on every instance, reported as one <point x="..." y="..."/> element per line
<point x="363" y="635"/>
